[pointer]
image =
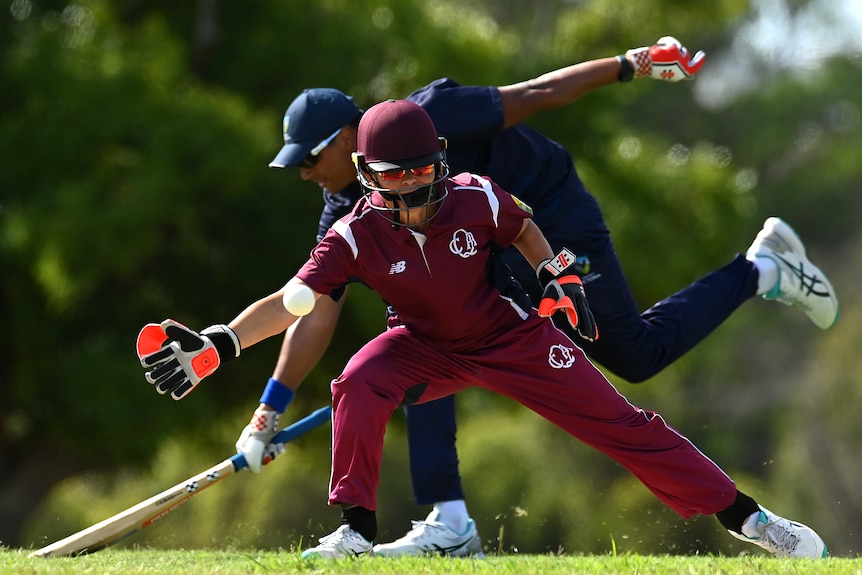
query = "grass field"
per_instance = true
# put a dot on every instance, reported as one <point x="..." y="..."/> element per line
<point x="227" y="562"/>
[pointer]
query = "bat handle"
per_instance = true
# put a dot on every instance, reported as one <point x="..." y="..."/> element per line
<point x="291" y="432"/>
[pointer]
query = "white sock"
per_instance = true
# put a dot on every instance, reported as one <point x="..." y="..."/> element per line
<point x="749" y="528"/>
<point x="767" y="273"/>
<point x="452" y="514"/>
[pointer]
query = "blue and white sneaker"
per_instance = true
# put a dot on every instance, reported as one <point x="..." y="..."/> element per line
<point x="430" y="537"/>
<point x="782" y="537"/>
<point x="343" y="542"/>
<point x="800" y="283"/>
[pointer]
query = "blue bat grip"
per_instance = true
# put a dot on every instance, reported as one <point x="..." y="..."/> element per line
<point x="288" y="434"/>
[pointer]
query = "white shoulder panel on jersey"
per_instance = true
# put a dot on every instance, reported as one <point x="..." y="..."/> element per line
<point x="493" y="201"/>
<point x="342" y="228"/>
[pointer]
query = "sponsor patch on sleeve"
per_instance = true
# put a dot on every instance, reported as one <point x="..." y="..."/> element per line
<point x="523" y="206"/>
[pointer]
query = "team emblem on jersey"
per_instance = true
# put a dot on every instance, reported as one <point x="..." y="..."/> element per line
<point x="523" y="206"/>
<point x="561" y="357"/>
<point x="463" y="244"/>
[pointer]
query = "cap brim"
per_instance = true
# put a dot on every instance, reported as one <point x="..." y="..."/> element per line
<point x="291" y="155"/>
<point x="405" y="164"/>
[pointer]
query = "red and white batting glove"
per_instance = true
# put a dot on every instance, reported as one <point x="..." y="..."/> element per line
<point x="666" y="60"/>
<point x="254" y="441"/>
<point x="179" y="358"/>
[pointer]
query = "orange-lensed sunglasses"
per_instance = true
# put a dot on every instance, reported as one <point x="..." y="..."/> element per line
<point x="392" y="175"/>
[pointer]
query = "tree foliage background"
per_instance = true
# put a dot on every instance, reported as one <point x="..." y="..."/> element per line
<point x="134" y="140"/>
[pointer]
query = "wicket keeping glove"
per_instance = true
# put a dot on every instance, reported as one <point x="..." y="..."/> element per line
<point x="254" y="441"/>
<point x="564" y="292"/>
<point x="666" y="60"/>
<point x="180" y="358"/>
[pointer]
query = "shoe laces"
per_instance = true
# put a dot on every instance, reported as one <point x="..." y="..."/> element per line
<point x="774" y="243"/>
<point x="424" y="529"/>
<point x="342" y="537"/>
<point x="779" y="535"/>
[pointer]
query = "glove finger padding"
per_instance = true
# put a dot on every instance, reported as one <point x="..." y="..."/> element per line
<point x="567" y="295"/>
<point x="178" y="384"/>
<point x="157" y="357"/>
<point x="255" y="438"/>
<point x="553" y="301"/>
<point x="586" y="323"/>
<point x="271" y="451"/>
<point x="163" y="373"/>
<point x="150" y="339"/>
<point x="666" y="60"/>
<point x="252" y="450"/>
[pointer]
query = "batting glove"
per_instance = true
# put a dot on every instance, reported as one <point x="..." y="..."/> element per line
<point x="271" y="451"/>
<point x="254" y="442"/>
<point x="666" y="60"/>
<point x="564" y="292"/>
<point x="180" y="358"/>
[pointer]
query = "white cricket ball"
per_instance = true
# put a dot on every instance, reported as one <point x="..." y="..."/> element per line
<point x="298" y="299"/>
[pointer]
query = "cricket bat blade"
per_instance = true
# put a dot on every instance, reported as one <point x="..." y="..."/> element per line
<point x="145" y="513"/>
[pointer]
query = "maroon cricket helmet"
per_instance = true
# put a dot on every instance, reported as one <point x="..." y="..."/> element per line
<point x="398" y="134"/>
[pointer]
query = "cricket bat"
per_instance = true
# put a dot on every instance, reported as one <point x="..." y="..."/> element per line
<point x="145" y="513"/>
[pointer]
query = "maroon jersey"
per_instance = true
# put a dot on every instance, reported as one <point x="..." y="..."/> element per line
<point x="437" y="282"/>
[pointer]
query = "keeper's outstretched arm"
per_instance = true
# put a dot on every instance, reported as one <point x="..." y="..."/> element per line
<point x="667" y="60"/>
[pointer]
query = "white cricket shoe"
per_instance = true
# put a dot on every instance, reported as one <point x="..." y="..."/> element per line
<point x="343" y="542"/>
<point x="785" y="538"/>
<point x="800" y="283"/>
<point x="434" y="538"/>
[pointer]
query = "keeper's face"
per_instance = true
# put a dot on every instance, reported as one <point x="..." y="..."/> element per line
<point x="333" y="167"/>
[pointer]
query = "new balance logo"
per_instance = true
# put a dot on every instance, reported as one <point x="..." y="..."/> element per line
<point x="397" y="267"/>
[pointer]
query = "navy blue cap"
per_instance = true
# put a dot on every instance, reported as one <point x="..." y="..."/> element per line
<point x="313" y="116"/>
